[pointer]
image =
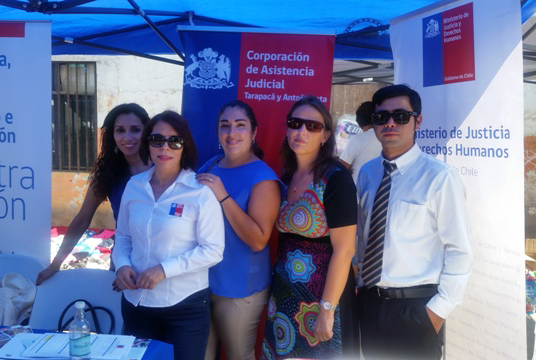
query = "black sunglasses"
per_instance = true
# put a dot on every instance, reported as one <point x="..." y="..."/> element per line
<point x="311" y="125"/>
<point x="399" y="117"/>
<point x="174" y="142"/>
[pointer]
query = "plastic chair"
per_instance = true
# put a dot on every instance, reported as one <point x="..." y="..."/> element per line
<point x="94" y="286"/>
<point x="24" y="265"/>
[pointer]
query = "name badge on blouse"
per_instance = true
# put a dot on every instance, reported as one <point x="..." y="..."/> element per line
<point x="176" y="209"/>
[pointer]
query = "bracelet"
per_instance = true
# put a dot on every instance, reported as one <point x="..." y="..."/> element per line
<point x="225" y="198"/>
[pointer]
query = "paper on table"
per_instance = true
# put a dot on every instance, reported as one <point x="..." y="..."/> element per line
<point x="49" y="345"/>
<point x="106" y="347"/>
<point x="7" y="332"/>
<point x="56" y="346"/>
<point x="14" y="348"/>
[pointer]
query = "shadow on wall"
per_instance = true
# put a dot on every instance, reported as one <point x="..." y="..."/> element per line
<point x="68" y="191"/>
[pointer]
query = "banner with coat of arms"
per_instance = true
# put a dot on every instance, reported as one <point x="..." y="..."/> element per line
<point x="269" y="71"/>
<point x="465" y="60"/>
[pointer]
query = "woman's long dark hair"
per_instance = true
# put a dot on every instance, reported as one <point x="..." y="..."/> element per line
<point x="255" y="148"/>
<point x="111" y="166"/>
<point x="325" y="159"/>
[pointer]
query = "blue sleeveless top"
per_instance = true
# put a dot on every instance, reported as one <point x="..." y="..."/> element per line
<point x="242" y="272"/>
<point x="115" y="195"/>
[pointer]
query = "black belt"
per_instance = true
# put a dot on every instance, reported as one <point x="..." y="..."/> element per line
<point x="412" y="292"/>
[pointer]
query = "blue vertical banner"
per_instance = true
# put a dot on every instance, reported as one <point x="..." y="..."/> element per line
<point x="433" y="50"/>
<point x="210" y="81"/>
<point x="267" y="70"/>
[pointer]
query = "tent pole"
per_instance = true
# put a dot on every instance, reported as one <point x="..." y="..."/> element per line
<point x="128" y="29"/>
<point x="366" y="31"/>
<point x="155" y="28"/>
<point x="91" y="10"/>
<point x="117" y="50"/>
<point x="65" y="4"/>
<point x="17" y="5"/>
<point x="363" y="45"/>
<point x="224" y="22"/>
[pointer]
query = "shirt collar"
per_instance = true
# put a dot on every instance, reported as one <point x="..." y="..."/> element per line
<point x="405" y="160"/>
<point x="186" y="177"/>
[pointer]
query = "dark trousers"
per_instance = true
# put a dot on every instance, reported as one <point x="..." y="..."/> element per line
<point x="397" y="328"/>
<point x="184" y="325"/>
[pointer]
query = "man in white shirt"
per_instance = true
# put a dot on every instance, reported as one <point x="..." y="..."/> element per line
<point x="414" y="252"/>
<point x="364" y="146"/>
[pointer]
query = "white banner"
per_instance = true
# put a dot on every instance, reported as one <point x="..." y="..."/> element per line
<point x="465" y="60"/>
<point x="25" y="138"/>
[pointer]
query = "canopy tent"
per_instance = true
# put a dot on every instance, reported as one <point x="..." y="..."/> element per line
<point x="149" y="27"/>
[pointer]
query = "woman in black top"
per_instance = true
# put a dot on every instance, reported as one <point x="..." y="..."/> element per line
<point x="310" y="307"/>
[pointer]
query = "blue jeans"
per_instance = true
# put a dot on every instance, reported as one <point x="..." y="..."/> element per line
<point x="184" y="325"/>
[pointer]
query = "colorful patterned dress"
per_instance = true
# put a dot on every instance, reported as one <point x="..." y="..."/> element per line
<point x="301" y="269"/>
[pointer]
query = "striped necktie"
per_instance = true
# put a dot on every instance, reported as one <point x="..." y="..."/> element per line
<point x="372" y="267"/>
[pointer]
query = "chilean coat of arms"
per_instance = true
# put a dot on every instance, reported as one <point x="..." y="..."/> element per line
<point x="432" y="29"/>
<point x="208" y="70"/>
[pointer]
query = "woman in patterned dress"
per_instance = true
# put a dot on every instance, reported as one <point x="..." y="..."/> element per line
<point x="310" y="307"/>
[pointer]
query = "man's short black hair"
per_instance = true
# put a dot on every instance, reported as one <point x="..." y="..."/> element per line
<point x="363" y="114"/>
<point x="398" y="90"/>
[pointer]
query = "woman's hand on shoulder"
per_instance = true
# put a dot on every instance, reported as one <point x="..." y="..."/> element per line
<point x="149" y="278"/>
<point x="126" y="278"/>
<point x="214" y="183"/>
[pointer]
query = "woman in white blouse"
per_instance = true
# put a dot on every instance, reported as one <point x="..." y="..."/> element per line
<point x="169" y="233"/>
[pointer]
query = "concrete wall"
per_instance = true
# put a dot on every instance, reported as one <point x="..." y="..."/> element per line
<point x="345" y="99"/>
<point x="157" y="86"/>
<point x="68" y="191"/>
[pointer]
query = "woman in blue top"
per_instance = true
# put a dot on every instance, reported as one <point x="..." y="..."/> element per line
<point x="118" y="160"/>
<point x="249" y="193"/>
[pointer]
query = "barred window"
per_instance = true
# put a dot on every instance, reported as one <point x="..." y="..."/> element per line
<point x="74" y="116"/>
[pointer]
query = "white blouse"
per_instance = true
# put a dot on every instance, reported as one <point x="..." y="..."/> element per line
<point x="183" y="231"/>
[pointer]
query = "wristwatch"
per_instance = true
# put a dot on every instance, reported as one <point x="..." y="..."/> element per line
<point x="327" y="305"/>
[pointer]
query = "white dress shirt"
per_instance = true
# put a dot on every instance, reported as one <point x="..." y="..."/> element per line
<point x="427" y="238"/>
<point x="182" y="231"/>
<point x="360" y="149"/>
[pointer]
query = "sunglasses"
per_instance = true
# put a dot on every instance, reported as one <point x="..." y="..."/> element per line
<point x="399" y="117"/>
<point x="311" y="125"/>
<point x="174" y="142"/>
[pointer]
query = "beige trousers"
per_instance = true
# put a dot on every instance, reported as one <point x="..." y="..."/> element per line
<point x="234" y="321"/>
